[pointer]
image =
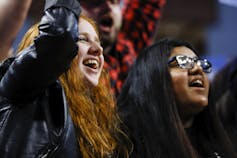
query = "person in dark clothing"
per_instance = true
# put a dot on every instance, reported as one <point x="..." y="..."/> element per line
<point x="55" y="99"/>
<point x="225" y="94"/>
<point x="166" y="105"/>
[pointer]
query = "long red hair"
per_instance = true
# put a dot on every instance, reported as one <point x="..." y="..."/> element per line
<point x="92" y="109"/>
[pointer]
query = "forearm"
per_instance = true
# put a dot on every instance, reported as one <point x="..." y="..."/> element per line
<point x="12" y="16"/>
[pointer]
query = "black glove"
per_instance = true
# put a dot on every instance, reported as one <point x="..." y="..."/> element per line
<point x="60" y="16"/>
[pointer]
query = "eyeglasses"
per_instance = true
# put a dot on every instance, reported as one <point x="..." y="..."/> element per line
<point x="185" y="62"/>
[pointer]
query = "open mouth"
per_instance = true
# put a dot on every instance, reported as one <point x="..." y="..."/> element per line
<point x="92" y="63"/>
<point x="197" y="83"/>
<point x="106" y="23"/>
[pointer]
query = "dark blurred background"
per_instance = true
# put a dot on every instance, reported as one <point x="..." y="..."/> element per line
<point x="210" y="25"/>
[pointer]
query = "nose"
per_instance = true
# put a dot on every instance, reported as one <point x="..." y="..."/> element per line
<point x="96" y="49"/>
<point x="197" y="69"/>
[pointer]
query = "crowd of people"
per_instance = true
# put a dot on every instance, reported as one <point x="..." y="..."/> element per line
<point x="88" y="81"/>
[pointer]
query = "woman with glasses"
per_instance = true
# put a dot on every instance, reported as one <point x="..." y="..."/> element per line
<point x="166" y="105"/>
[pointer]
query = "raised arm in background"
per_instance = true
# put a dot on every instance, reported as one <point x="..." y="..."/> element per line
<point x="12" y="16"/>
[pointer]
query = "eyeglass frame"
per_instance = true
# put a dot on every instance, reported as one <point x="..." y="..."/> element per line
<point x="193" y="61"/>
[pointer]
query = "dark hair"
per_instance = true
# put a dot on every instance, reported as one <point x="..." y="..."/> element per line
<point x="148" y="108"/>
<point x="224" y="89"/>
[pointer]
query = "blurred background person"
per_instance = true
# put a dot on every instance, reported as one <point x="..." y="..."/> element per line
<point x="225" y="94"/>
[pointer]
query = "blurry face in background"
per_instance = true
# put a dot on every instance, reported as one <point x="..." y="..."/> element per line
<point x="108" y="16"/>
<point x="191" y="86"/>
<point x="90" y="52"/>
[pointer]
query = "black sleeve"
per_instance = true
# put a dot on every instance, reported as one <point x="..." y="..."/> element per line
<point x="50" y="55"/>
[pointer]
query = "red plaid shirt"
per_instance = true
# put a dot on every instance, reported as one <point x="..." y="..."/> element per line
<point x="140" y="19"/>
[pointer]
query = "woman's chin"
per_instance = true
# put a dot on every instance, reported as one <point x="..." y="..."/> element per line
<point x="91" y="81"/>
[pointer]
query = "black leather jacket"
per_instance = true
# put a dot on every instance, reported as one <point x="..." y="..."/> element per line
<point x="34" y="122"/>
<point x="34" y="117"/>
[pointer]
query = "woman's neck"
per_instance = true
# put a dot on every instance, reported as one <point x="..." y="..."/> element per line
<point x="187" y="121"/>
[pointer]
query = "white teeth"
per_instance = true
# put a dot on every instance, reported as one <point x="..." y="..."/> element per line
<point x="198" y="81"/>
<point x="91" y="63"/>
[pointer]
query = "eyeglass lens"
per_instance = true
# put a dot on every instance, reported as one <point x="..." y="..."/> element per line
<point x="186" y="62"/>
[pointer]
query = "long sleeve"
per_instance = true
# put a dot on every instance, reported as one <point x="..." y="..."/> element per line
<point x="48" y="57"/>
<point x="140" y="21"/>
<point x="38" y="66"/>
